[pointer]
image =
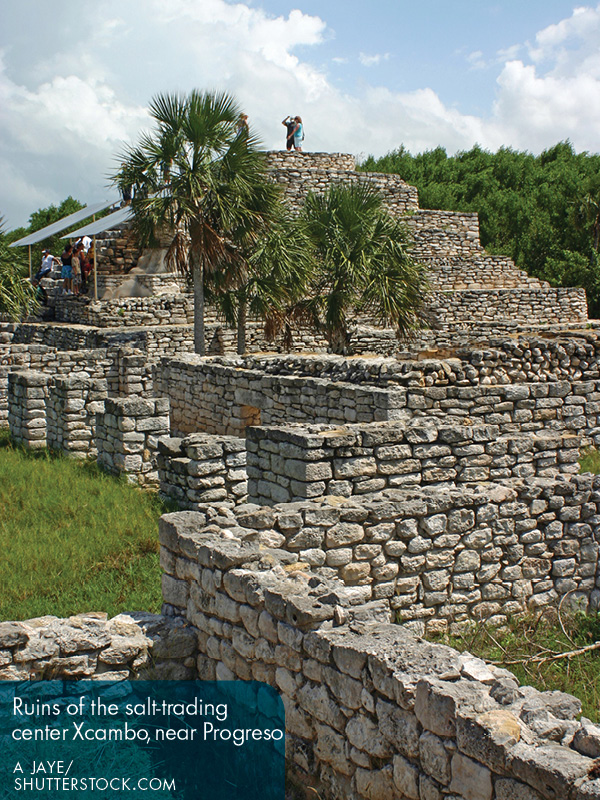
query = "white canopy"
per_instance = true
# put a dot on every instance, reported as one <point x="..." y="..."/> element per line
<point x="65" y="222"/>
<point x="104" y="224"/>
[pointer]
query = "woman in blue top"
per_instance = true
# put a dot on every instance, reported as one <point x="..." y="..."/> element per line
<point x="298" y="134"/>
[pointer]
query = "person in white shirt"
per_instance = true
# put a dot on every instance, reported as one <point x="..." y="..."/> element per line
<point x="48" y="261"/>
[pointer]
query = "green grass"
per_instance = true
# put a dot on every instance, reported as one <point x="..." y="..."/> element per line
<point x="543" y="637"/>
<point x="73" y="538"/>
<point x="590" y="460"/>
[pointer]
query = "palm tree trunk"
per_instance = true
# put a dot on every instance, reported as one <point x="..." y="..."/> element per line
<point x="241" y="328"/>
<point x="198" y="273"/>
<point x="338" y="341"/>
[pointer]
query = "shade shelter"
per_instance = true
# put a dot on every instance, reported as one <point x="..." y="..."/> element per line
<point x="99" y="226"/>
<point x="61" y="225"/>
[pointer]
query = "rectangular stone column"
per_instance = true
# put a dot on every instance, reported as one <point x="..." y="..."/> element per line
<point x="134" y="375"/>
<point x="203" y="468"/>
<point x="72" y="406"/>
<point x="127" y="434"/>
<point x="27" y="394"/>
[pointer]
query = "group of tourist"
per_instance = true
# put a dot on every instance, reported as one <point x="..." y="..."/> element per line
<point x="76" y="262"/>
<point x="295" y="132"/>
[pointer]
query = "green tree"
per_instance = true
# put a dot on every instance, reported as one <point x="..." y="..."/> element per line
<point x="272" y="279"/>
<point x="363" y="264"/>
<point x="588" y="212"/>
<point x="542" y="211"/>
<point x="200" y="180"/>
<point x="17" y="295"/>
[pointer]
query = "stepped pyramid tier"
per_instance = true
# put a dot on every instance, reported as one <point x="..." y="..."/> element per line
<point x="472" y="292"/>
<point x="470" y="287"/>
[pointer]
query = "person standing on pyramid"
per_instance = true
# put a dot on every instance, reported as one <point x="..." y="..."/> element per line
<point x="290" y="123"/>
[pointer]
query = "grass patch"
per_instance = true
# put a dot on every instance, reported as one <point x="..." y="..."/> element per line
<point x="73" y="538"/>
<point x="529" y="647"/>
<point x="590" y="461"/>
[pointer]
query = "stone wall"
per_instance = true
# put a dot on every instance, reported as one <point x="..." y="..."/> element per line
<point x="480" y="270"/>
<point x="442" y="233"/>
<point x="220" y="396"/>
<point x="123" y="370"/>
<point x="134" y="373"/>
<point x="201" y="469"/>
<point x="211" y="394"/>
<point x="71" y="408"/>
<point x="469" y="308"/>
<point x="27" y="393"/>
<point x="301" y="173"/>
<point x="372" y="712"/>
<point x="126" y="647"/>
<point x="171" y="309"/>
<point x="294" y="462"/>
<point x="282" y="160"/>
<point x="521" y="407"/>
<point x="97" y="363"/>
<point x="444" y="557"/>
<point x="117" y="250"/>
<point x="551" y="358"/>
<point x="127" y="434"/>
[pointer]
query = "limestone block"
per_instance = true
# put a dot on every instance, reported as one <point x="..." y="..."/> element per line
<point x="375" y="784"/>
<point x="470" y="779"/>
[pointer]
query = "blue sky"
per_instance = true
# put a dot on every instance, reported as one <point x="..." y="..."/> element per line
<point x="428" y="43"/>
<point x="76" y="77"/>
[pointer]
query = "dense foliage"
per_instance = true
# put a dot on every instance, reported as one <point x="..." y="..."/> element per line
<point x="362" y="265"/>
<point x="542" y="211"/>
<point x="17" y="295"/>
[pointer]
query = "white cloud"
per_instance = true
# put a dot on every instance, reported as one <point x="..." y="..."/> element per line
<point x="509" y="53"/>
<point x="557" y="96"/>
<point x="581" y="30"/>
<point x="65" y="114"/>
<point x="59" y="139"/>
<point x="371" y="61"/>
<point x="536" y="111"/>
<point x="476" y="60"/>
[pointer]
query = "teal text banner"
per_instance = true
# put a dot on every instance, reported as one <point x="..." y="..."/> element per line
<point x="141" y="739"/>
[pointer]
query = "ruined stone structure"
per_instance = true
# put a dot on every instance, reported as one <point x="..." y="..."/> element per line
<point x="339" y="509"/>
<point x="471" y="290"/>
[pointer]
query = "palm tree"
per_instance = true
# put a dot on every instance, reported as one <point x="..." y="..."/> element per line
<point x="271" y="280"/>
<point x="17" y="294"/>
<point x="363" y="264"/>
<point x="199" y="179"/>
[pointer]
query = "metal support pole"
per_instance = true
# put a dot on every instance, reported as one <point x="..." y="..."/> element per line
<point x="95" y="265"/>
<point x="30" y="272"/>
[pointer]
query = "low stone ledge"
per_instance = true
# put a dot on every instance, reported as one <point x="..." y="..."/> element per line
<point x="27" y="395"/>
<point x="126" y="647"/>
<point x="127" y="434"/>
<point x="302" y="461"/>
<point x="202" y="469"/>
